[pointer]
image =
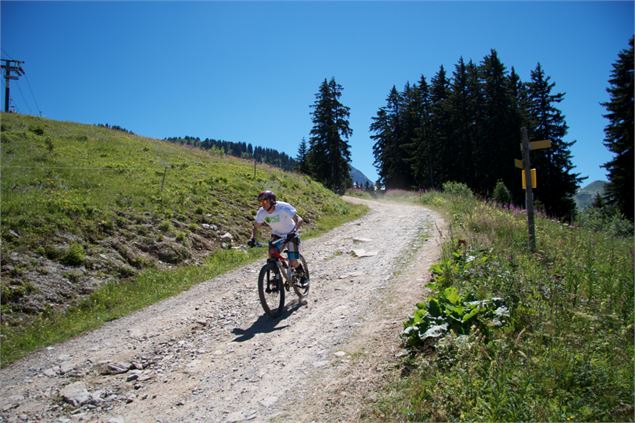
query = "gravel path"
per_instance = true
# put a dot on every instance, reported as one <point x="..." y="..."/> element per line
<point x="210" y="354"/>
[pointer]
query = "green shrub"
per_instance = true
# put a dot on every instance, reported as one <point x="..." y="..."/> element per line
<point x="449" y="311"/>
<point x="501" y="194"/>
<point x="36" y="130"/>
<point x="74" y="255"/>
<point x="606" y="219"/>
<point x="12" y="293"/>
<point x="165" y="226"/>
<point x="457" y="188"/>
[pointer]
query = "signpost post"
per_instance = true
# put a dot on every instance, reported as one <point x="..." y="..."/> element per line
<point x="529" y="194"/>
<point x="525" y="165"/>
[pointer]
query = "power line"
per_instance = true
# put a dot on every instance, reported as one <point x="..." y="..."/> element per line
<point x="33" y="95"/>
<point x="28" y="106"/>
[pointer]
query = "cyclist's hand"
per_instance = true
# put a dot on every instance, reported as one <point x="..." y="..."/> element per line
<point x="252" y="242"/>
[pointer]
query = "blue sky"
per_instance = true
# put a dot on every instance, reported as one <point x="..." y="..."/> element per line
<point x="248" y="71"/>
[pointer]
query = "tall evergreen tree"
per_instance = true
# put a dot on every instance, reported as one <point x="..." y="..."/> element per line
<point x="465" y="103"/>
<point x="557" y="184"/>
<point x="420" y="154"/>
<point x="520" y="116"/>
<point x="500" y="135"/>
<point x="619" y="133"/>
<point x="409" y="122"/>
<point x="329" y="151"/>
<point x="388" y="154"/>
<point x="440" y="156"/>
<point x="301" y="159"/>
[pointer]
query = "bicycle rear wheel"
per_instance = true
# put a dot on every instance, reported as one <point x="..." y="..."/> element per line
<point x="302" y="291"/>
<point x="270" y="290"/>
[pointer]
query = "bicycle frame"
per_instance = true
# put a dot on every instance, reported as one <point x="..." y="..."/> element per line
<point x="282" y="263"/>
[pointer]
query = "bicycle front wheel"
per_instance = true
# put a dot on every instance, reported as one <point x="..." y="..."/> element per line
<point x="270" y="290"/>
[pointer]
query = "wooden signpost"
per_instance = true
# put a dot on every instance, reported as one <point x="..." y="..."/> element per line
<point x="529" y="174"/>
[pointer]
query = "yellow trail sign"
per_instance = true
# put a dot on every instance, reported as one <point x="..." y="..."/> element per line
<point x="534" y="179"/>
<point x="538" y="145"/>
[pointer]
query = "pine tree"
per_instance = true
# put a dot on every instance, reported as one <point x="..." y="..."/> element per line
<point x="619" y="133"/>
<point x="557" y="185"/>
<point x="411" y="108"/>
<point x="420" y="149"/>
<point x="301" y="159"/>
<point x="329" y="152"/>
<point x="465" y="103"/>
<point x="499" y="136"/>
<point x="439" y="150"/>
<point x="386" y="126"/>
<point x="520" y="116"/>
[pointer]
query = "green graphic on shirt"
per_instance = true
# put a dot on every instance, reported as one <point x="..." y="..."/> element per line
<point x="272" y="219"/>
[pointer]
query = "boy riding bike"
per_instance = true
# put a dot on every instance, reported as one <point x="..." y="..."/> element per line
<point x="284" y="222"/>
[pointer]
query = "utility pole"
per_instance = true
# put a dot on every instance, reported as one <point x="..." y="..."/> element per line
<point x="9" y="66"/>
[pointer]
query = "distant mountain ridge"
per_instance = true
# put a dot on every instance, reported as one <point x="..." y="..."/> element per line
<point x="359" y="178"/>
<point x="584" y="197"/>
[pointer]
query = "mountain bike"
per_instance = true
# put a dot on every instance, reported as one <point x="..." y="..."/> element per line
<point x="277" y="276"/>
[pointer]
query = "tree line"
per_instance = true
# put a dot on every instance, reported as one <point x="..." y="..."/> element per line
<point x="239" y="149"/>
<point x="465" y="127"/>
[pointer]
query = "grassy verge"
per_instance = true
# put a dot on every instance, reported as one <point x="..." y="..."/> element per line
<point x="115" y="300"/>
<point x="563" y="349"/>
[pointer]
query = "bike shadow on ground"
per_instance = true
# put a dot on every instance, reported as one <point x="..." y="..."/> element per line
<point x="266" y="324"/>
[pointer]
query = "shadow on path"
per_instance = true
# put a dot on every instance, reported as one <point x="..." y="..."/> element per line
<point x="266" y="324"/>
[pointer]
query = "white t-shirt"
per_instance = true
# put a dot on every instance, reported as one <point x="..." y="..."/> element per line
<point x="280" y="220"/>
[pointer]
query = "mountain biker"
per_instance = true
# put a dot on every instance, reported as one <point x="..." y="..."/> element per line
<point x="284" y="222"/>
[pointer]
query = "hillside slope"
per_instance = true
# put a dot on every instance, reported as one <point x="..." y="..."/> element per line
<point x="83" y="205"/>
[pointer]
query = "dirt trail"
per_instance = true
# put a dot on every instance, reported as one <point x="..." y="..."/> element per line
<point x="209" y="354"/>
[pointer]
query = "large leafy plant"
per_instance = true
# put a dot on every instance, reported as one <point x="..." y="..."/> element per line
<point x="449" y="311"/>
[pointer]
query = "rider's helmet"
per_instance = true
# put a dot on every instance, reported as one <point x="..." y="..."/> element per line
<point x="267" y="195"/>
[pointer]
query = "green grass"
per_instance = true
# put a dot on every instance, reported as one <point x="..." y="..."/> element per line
<point x="58" y="176"/>
<point x="67" y="190"/>
<point x="566" y="351"/>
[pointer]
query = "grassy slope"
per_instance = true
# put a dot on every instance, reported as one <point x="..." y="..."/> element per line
<point x="82" y="203"/>
<point x="566" y="352"/>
